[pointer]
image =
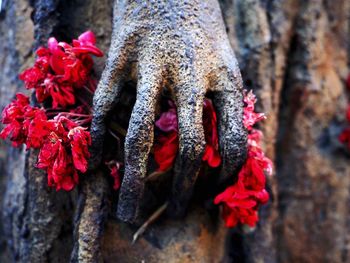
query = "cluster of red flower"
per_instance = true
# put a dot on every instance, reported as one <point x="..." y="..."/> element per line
<point x="344" y="137"/>
<point x="241" y="200"/>
<point x="61" y="68"/>
<point x="167" y="144"/>
<point x="58" y="71"/>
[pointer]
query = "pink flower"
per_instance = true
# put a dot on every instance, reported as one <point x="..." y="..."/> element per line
<point x="168" y="119"/>
<point x="32" y="77"/>
<point x="86" y="44"/>
<point x="250" y="117"/>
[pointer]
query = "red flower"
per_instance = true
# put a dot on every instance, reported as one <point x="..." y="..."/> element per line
<point x="116" y="176"/>
<point x="348" y="82"/>
<point x="344" y="137"/>
<point x="54" y="158"/>
<point x="234" y="216"/>
<point x="48" y="151"/>
<point x="348" y="113"/>
<point x="252" y="175"/>
<point x="34" y="77"/>
<point x="60" y="69"/>
<point x="64" y="151"/>
<point x="114" y="168"/>
<point x="166" y="145"/>
<point x="211" y="156"/>
<point x="242" y="200"/>
<point x="61" y="93"/>
<point x="80" y="139"/>
<point x="211" y="152"/>
<point x="240" y="206"/>
<point x="56" y="56"/>
<point x="15" y="132"/>
<point x="165" y="150"/>
<point x="62" y="174"/>
<point x="24" y="124"/>
<point x="77" y="72"/>
<point x="37" y="128"/>
<point x="16" y="109"/>
<point x="168" y="120"/>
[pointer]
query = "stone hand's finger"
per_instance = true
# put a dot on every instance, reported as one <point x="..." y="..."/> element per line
<point x="105" y="97"/>
<point x="228" y="101"/>
<point x="139" y="139"/>
<point x="189" y="100"/>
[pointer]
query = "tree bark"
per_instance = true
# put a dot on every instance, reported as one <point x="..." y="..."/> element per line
<point x="294" y="54"/>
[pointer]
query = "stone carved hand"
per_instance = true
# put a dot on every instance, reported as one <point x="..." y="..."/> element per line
<point x="181" y="45"/>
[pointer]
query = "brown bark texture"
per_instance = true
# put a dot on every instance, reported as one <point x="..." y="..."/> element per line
<point x="294" y="54"/>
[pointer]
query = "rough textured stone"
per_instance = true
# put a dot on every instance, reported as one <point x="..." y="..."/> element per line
<point x="181" y="46"/>
<point x="295" y="56"/>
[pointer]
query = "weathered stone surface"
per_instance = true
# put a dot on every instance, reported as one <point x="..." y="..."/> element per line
<point x="196" y="238"/>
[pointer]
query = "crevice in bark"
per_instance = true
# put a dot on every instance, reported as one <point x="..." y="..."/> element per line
<point x="92" y="210"/>
<point x="284" y="120"/>
<point x="45" y="18"/>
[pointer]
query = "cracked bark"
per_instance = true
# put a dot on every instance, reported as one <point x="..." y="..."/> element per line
<point x="294" y="54"/>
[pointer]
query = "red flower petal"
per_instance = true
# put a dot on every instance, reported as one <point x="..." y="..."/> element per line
<point x="344" y="137"/>
<point x="80" y="140"/>
<point x="165" y="150"/>
<point x="87" y="37"/>
<point x="86" y="44"/>
<point x="115" y="174"/>
<point x="348" y="113"/>
<point x="211" y="156"/>
<point x="211" y="153"/>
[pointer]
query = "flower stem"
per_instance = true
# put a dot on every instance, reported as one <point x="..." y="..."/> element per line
<point x="149" y="221"/>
